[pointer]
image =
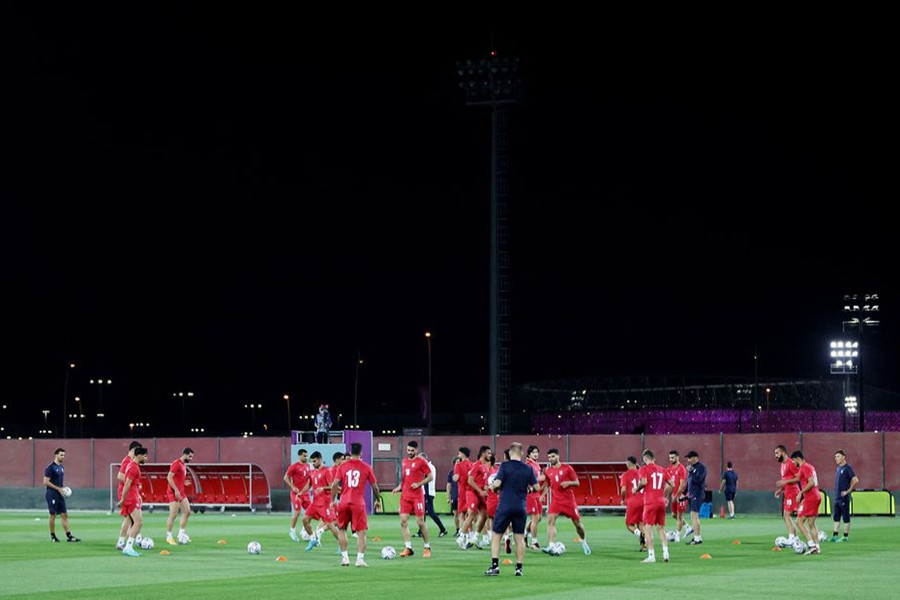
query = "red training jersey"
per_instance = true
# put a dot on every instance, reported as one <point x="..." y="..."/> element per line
<point x="537" y="473"/>
<point x="788" y="471"/>
<point x="133" y="472"/>
<point x="677" y="473"/>
<point x="490" y="481"/>
<point x="318" y="478"/>
<point x="177" y="467"/>
<point x="122" y="469"/>
<point x="299" y="474"/>
<point x="354" y="474"/>
<point x="556" y="476"/>
<point x="413" y="470"/>
<point x="479" y="474"/>
<point x="630" y="480"/>
<point x="654" y="491"/>
<point x="462" y="469"/>
<point x="807" y="472"/>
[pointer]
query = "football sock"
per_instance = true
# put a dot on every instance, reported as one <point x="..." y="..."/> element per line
<point x="518" y="566"/>
<point x="495" y="563"/>
<point x="651" y="554"/>
<point x="121" y="541"/>
<point x="129" y="543"/>
<point x="168" y="535"/>
<point x="427" y="546"/>
<point x="181" y="532"/>
<point x="408" y="545"/>
<point x="344" y="554"/>
<point x="360" y="556"/>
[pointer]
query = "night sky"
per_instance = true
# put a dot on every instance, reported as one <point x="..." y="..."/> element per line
<point x="236" y="203"/>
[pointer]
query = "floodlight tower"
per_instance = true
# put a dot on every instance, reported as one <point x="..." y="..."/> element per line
<point x="495" y="82"/>
<point x="861" y="313"/>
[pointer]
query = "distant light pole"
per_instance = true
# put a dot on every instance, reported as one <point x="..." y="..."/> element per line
<point x="183" y="396"/>
<point x="861" y="313"/>
<point x="253" y="408"/>
<point x="359" y="362"/>
<point x="287" y="400"/>
<point x="430" y="396"/>
<point x="80" y="417"/>
<point x="46" y="412"/>
<point x="69" y="367"/>
<point x="100" y="383"/>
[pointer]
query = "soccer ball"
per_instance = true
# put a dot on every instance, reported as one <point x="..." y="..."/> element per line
<point x="670" y="536"/>
<point x="254" y="548"/>
<point x="67" y="491"/>
<point x="147" y="543"/>
<point x="782" y="542"/>
<point x="799" y="547"/>
<point x="183" y="538"/>
<point x="558" y="549"/>
<point x="304" y="536"/>
<point x="388" y="553"/>
<point x="823" y="536"/>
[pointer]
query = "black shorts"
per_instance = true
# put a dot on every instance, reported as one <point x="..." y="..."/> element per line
<point x="694" y="503"/>
<point x="841" y="509"/>
<point x="56" y="504"/>
<point x="503" y="519"/>
<point x="729" y="496"/>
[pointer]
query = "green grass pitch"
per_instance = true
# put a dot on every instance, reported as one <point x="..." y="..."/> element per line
<point x="32" y="567"/>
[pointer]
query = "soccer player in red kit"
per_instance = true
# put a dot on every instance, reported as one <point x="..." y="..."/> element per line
<point x="561" y="479"/>
<point x="633" y="499"/>
<point x="677" y="472"/>
<point x="788" y="489"/>
<point x="533" y="505"/>
<point x="126" y="522"/>
<point x="657" y="489"/>
<point x="297" y="478"/>
<point x="131" y="499"/>
<point x="177" y="499"/>
<point x="461" y="477"/>
<point x="476" y="495"/>
<point x="414" y="476"/>
<point x="808" y="501"/>
<point x="352" y="476"/>
<point x="493" y="497"/>
<point x="320" y="480"/>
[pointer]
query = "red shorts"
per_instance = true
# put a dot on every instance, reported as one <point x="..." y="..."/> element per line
<point x="352" y="513"/>
<point x="320" y="512"/>
<point x="493" y="500"/>
<point x="412" y="506"/>
<point x="566" y="509"/>
<point x="654" y="514"/>
<point x="533" y="504"/>
<point x="810" y="506"/>
<point x="300" y="501"/>
<point x="678" y="508"/>
<point x="475" y="501"/>
<point x="170" y="495"/>
<point x="634" y="512"/>
<point x="789" y="502"/>
<point x="129" y="506"/>
<point x="461" y="504"/>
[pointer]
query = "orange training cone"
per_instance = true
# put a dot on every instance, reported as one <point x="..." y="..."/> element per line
<point x="507" y="561"/>
<point x="722" y="512"/>
<point x="776" y="549"/>
<point x="165" y="552"/>
<point x="736" y="542"/>
<point x="705" y="556"/>
<point x="281" y="559"/>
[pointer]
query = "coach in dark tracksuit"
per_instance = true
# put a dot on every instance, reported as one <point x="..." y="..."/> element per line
<point x="696" y="492"/>
<point x="514" y="480"/>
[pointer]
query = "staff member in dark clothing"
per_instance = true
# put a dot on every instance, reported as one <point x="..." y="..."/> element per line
<point x="696" y="492"/>
<point x="845" y="481"/>
<point x="514" y="480"/>
<point x="56" y="502"/>
<point x="453" y="495"/>
<point x="430" y="491"/>
<point x="729" y="487"/>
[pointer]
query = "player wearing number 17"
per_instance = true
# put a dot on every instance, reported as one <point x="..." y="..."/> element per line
<point x="352" y="476"/>
<point x="656" y="488"/>
<point x="415" y="474"/>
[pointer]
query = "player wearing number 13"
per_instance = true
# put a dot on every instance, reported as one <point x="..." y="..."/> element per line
<point x="415" y="474"/>
<point x="352" y="476"/>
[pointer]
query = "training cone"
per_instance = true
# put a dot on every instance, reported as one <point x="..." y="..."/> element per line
<point x="776" y="549"/>
<point x="165" y="552"/>
<point x="576" y="539"/>
<point x="376" y="539"/>
<point x="221" y="542"/>
<point x="281" y="559"/>
<point x="705" y="556"/>
<point x="722" y="512"/>
<point x="736" y="542"/>
<point x="507" y="561"/>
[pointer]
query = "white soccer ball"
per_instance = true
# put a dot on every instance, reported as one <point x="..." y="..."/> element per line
<point x="304" y="536"/>
<point x="254" y="548"/>
<point x="147" y="543"/>
<point x="799" y="547"/>
<point x="823" y="536"/>
<point x="670" y="536"/>
<point x="183" y="539"/>
<point x="558" y="549"/>
<point x="67" y="491"/>
<point x="388" y="553"/>
<point x="490" y="480"/>
<point x="782" y="542"/>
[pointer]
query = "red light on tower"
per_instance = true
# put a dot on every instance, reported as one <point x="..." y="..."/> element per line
<point x="493" y="53"/>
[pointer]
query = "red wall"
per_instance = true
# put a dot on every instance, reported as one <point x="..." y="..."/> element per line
<point x="22" y="462"/>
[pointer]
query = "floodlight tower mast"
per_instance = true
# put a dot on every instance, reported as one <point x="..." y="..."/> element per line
<point x="494" y="82"/>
